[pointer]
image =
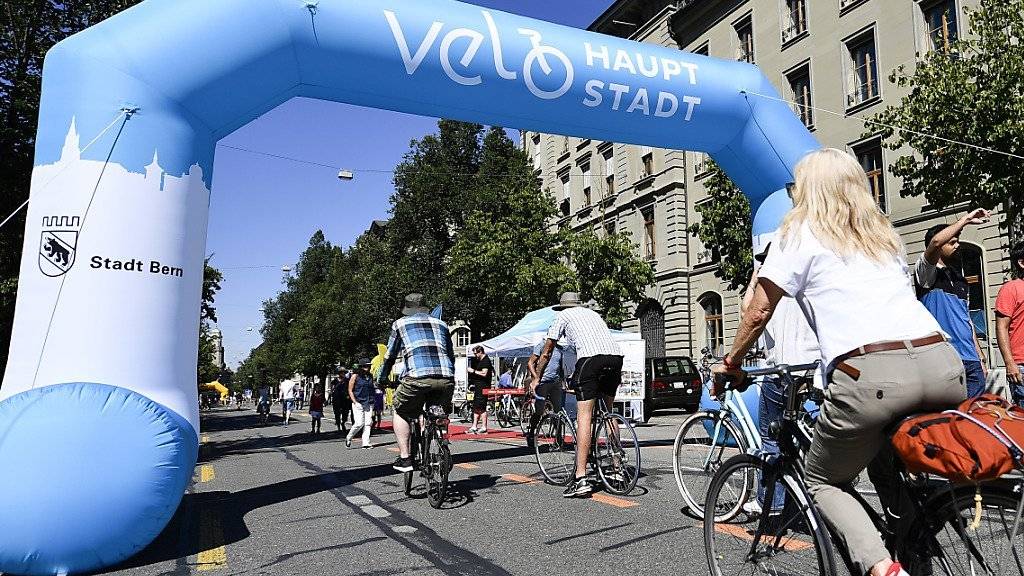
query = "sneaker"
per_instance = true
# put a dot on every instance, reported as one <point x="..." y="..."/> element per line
<point x="367" y="446"/>
<point x="471" y="431"/>
<point x="481" y="431"/>
<point x="578" y="487"/>
<point x="403" y="464"/>
<point x="751" y="508"/>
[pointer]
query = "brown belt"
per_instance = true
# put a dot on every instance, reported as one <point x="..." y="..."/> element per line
<point x="854" y="373"/>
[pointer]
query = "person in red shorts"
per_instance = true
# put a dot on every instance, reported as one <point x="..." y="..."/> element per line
<point x="1010" y="324"/>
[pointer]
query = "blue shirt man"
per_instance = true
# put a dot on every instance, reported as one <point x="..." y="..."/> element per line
<point x="943" y="290"/>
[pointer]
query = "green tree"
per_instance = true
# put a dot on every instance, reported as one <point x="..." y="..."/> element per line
<point x="725" y="228"/>
<point x="609" y="271"/>
<point x="314" y="338"/>
<point x="29" y="29"/>
<point x="207" y="370"/>
<point x="972" y="93"/>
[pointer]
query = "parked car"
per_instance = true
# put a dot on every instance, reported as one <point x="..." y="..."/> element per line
<point x="672" y="382"/>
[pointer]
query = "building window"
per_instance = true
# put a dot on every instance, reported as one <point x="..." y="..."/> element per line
<point x="794" y="19"/>
<point x="702" y="167"/>
<point x="536" y="153"/>
<point x="745" y="40"/>
<point x="973" y="261"/>
<point x="800" y="88"/>
<point x="609" y="228"/>
<point x="869" y="154"/>
<point x="585" y="168"/>
<point x="862" y="76"/>
<point x="940" y="24"/>
<point x="702" y="49"/>
<point x="650" y="248"/>
<point x="461" y="337"/>
<point x="565" y="145"/>
<point x="609" y="174"/>
<point x="714" y="326"/>
<point x="646" y="161"/>
<point x="652" y="327"/>
<point x="564" y="205"/>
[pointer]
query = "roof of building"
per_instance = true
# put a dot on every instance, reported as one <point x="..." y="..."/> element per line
<point x="624" y="17"/>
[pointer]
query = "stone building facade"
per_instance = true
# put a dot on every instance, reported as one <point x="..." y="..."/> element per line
<point x="831" y="59"/>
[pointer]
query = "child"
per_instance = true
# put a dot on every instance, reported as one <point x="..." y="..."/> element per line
<point x="316" y="410"/>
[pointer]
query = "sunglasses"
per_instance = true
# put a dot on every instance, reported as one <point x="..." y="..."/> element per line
<point x="790" y="186"/>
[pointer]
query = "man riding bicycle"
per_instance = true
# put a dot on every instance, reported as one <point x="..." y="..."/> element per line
<point x="598" y="373"/>
<point x="429" y="375"/>
<point x="548" y="386"/>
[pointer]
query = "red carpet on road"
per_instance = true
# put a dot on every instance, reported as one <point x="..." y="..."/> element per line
<point x="458" y="432"/>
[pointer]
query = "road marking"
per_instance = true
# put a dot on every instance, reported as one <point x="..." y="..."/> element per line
<point x="211" y="542"/>
<point x="792" y="544"/>
<point x="613" y="501"/>
<point x="206" y="473"/>
<point x="359" y="500"/>
<point x="404" y="529"/>
<point x="375" y="511"/>
<point x="519" y="479"/>
<point x="467" y="466"/>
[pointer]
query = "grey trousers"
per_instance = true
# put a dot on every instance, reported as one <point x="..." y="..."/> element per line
<point x="850" y="431"/>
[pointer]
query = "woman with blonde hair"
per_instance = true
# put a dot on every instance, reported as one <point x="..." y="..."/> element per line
<point x="884" y="354"/>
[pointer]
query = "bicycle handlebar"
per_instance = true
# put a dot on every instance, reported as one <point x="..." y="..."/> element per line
<point x="781" y="369"/>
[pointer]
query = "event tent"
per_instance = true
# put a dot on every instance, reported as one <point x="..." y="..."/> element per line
<point x="520" y="339"/>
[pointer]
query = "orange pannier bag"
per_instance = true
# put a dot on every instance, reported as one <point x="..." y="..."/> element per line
<point x="980" y="440"/>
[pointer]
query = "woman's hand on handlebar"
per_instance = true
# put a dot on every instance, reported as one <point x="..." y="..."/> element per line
<point x="724" y="379"/>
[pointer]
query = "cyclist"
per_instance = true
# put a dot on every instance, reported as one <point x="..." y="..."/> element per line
<point x="263" y="404"/>
<point x="885" y="355"/>
<point x="547" y="387"/>
<point x="598" y="372"/>
<point x="429" y="374"/>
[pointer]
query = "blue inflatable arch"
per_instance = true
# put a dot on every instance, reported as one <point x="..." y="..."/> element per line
<point x="98" y="405"/>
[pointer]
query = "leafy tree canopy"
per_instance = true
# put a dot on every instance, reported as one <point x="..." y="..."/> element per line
<point x="725" y="228"/>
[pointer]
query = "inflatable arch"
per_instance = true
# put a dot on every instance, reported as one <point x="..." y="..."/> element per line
<point x="98" y="412"/>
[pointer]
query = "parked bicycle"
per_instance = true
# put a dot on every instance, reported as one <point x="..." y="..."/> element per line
<point x="506" y="411"/>
<point x="431" y="456"/>
<point x="615" y="451"/>
<point x="943" y="528"/>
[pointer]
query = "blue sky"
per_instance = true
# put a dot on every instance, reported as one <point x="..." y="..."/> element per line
<point x="265" y="207"/>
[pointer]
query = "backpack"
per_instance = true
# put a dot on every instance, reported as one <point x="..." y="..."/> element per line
<point x="980" y="440"/>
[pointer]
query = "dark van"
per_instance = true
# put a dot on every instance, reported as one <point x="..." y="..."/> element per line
<point x="672" y="382"/>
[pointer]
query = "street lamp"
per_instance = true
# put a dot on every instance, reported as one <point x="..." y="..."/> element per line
<point x="346" y="175"/>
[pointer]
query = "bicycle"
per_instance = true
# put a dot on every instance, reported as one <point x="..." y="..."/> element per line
<point x="263" y="411"/>
<point x="506" y="411"/>
<point x="708" y="438"/>
<point x="428" y="442"/>
<point x="614" y="452"/>
<point x="940" y="525"/>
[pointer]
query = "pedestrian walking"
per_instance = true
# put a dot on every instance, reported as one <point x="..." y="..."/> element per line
<point x="300" y="396"/>
<point x="341" y="403"/>
<point x="943" y="290"/>
<point x="360" y="391"/>
<point x="286" y="392"/>
<point x="481" y="370"/>
<point x="1010" y="324"/>
<point x="378" y="408"/>
<point x="598" y="373"/>
<point x="316" y="410"/>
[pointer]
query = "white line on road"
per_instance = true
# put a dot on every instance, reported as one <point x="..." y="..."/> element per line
<point x="359" y="500"/>
<point x="404" y="529"/>
<point x="375" y="511"/>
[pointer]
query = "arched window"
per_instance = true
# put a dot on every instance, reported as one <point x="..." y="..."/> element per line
<point x="714" y="326"/>
<point x="973" y="261"/>
<point x="460" y="337"/>
<point x="652" y="327"/>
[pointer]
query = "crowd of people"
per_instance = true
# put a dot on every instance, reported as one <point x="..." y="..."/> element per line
<point x="833" y="285"/>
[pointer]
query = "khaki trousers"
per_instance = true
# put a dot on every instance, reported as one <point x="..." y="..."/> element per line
<point x="850" y="431"/>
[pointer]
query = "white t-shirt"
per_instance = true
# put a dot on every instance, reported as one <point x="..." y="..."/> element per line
<point x="287" y="390"/>
<point x="789" y="340"/>
<point x="585" y="330"/>
<point x="848" y="302"/>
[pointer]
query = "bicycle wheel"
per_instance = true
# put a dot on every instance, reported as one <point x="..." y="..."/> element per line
<point x="957" y="547"/>
<point x="555" y="447"/>
<point x="792" y="539"/>
<point x="437" y="464"/>
<point x="703" y="443"/>
<point x="525" y="415"/>
<point x="502" y="415"/>
<point x="618" y="454"/>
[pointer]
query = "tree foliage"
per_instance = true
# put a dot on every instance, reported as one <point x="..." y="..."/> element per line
<point x="725" y="228"/>
<point x="207" y="369"/>
<point x="972" y="93"/>
<point x="608" y="271"/>
<point x="29" y="29"/>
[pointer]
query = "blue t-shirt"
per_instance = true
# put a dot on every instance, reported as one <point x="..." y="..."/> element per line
<point x="505" y="381"/>
<point x="562" y="363"/>
<point x="944" y="291"/>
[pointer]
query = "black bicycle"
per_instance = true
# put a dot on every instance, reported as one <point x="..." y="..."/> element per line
<point x="614" y="451"/>
<point x="764" y="520"/>
<point x="430" y="453"/>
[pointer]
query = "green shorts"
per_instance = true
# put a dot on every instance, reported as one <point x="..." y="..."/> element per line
<point x="413" y="393"/>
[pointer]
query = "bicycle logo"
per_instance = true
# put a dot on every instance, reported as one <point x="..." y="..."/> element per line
<point x="538" y="56"/>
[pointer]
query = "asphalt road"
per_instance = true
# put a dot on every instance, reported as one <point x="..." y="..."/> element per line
<point x="276" y="500"/>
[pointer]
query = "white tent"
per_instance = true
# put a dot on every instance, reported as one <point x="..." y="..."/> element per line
<point x="520" y="339"/>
